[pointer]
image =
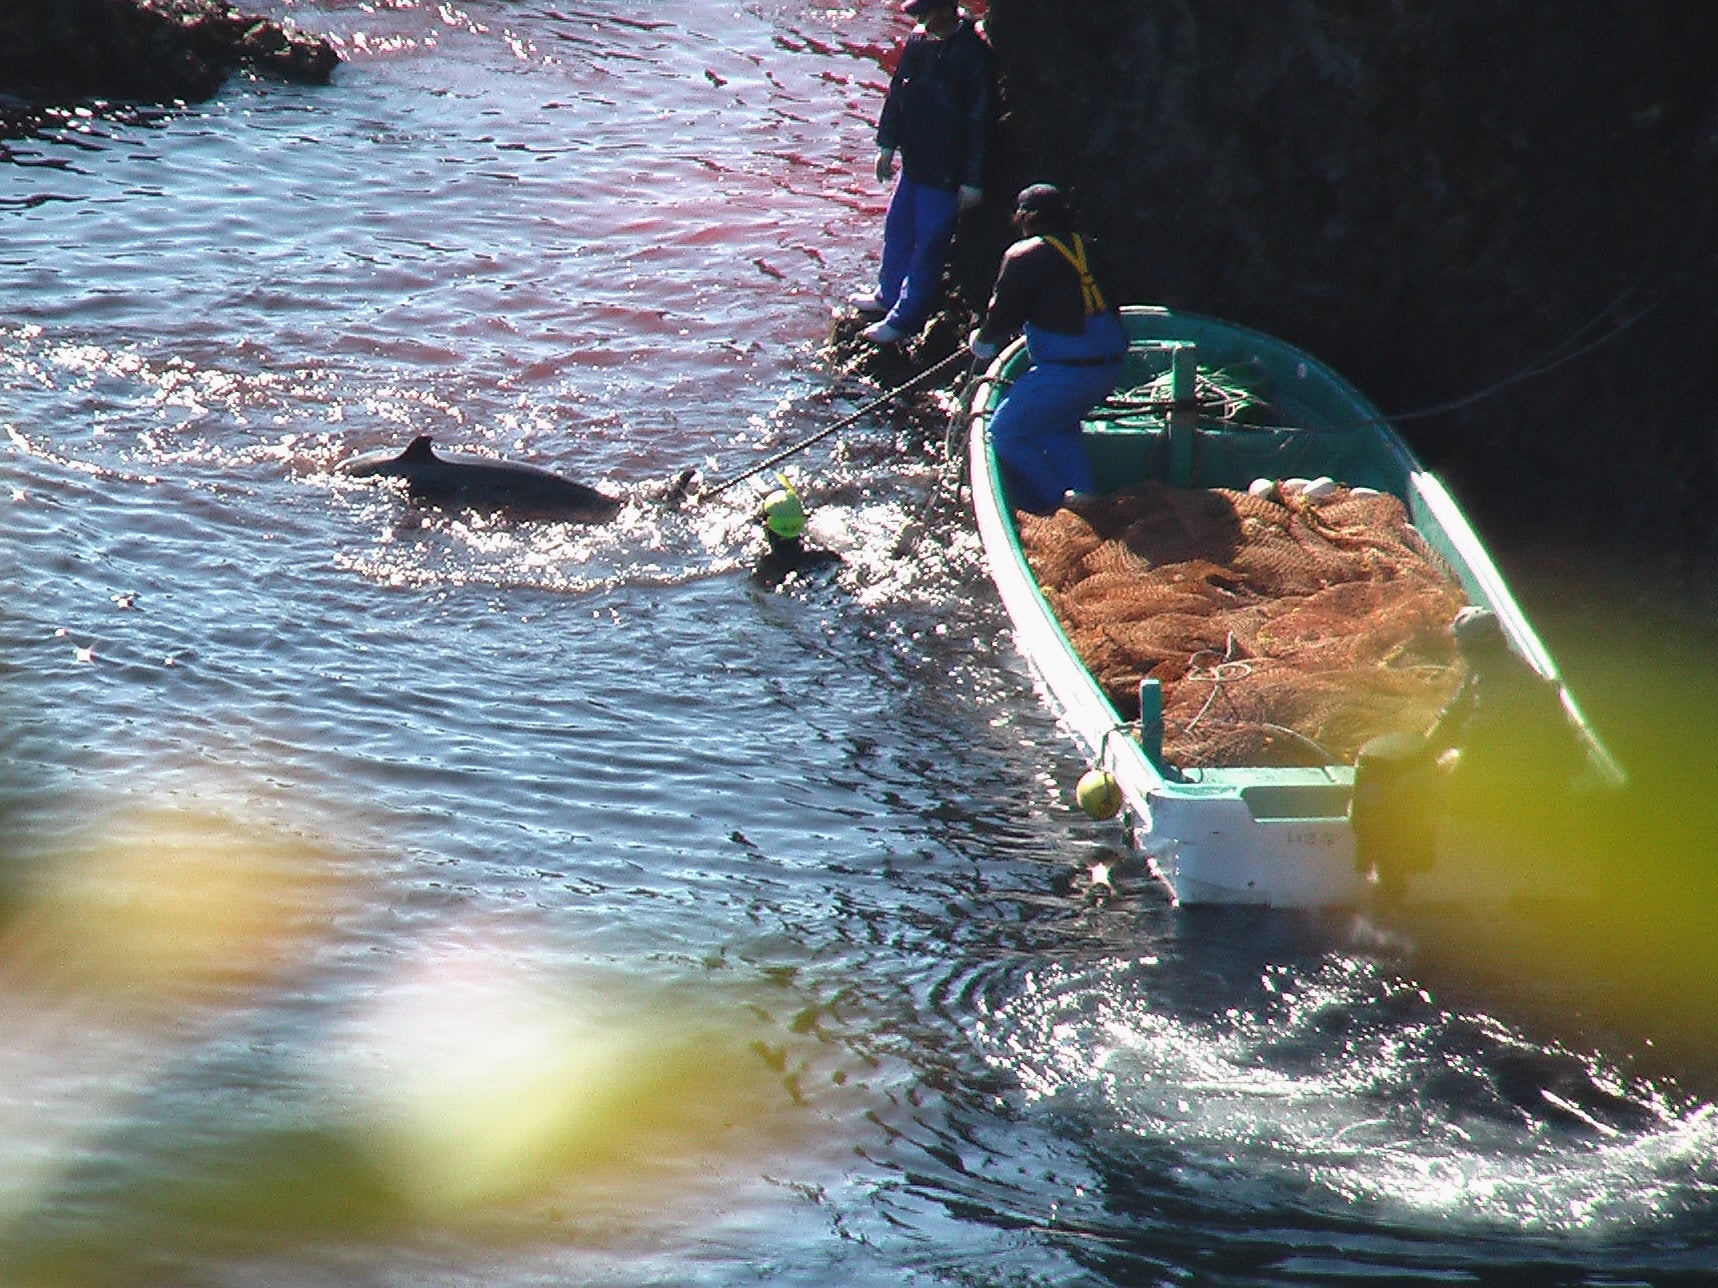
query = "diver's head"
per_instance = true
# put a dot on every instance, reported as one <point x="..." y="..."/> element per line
<point x="782" y="514"/>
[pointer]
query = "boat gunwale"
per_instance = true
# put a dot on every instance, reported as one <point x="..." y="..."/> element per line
<point x="1080" y="703"/>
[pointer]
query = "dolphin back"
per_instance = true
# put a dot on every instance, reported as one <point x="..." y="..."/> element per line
<point x="481" y="483"/>
<point x="388" y="464"/>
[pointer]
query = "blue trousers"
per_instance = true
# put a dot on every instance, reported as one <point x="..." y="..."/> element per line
<point x="1036" y="430"/>
<point x="916" y="234"/>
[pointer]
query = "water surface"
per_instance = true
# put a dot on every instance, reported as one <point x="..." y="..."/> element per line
<point x="404" y="897"/>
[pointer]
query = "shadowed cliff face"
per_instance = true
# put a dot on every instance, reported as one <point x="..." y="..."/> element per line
<point x="145" y="50"/>
<point x="1436" y="198"/>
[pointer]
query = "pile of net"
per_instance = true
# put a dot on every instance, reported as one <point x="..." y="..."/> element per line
<point x="1286" y="630"/>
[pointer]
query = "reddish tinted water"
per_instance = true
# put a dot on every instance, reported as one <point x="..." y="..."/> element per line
<point x="411" y="898"/>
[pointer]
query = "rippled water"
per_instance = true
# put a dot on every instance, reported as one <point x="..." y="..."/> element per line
<point x="401" y="897"/>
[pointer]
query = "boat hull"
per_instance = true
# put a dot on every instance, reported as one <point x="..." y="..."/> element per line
<point x="1272" y="836"/>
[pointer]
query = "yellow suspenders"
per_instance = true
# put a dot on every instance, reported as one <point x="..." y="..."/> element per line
<point x="1089" y="292"/>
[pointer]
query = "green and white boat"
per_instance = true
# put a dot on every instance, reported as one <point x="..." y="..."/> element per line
<point x="1205" y="404"/>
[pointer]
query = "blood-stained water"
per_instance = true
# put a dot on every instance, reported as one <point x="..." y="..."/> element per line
<point x="399" y="896"/>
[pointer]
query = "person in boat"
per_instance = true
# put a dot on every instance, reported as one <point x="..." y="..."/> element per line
<point x="1046" y="288"/>
<point x="1506" y="719"/>
<point x="936" y="116"/>
<point x="782" y="517"/>
<point x="1502" y="754"/>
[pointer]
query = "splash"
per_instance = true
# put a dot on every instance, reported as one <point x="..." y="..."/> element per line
<point x="1348" y="1088"/>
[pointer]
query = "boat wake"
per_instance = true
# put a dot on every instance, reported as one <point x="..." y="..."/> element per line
<point x="1346" y="1089"/>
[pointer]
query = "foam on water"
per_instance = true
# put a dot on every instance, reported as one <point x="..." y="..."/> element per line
<point x="1348" y="1090"/>
<point x="584" y="810"/>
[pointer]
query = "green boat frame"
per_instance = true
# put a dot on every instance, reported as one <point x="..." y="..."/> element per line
<point x="1273" y="836"/>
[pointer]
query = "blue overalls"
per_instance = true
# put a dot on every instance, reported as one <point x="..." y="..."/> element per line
<point x="916" y="234"/>
<point x="1036" y="430"/>
<point x="937" y="114"/>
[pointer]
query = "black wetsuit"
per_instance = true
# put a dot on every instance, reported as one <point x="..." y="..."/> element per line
<point x="788" y="555"/>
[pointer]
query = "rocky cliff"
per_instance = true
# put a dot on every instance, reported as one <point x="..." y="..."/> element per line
<point x="145" y="50"/>
<point x="1495" y="216"/>
<point x="1502" y="208"/>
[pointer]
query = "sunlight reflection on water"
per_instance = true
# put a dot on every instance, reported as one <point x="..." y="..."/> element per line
<point x="427" y="897"/>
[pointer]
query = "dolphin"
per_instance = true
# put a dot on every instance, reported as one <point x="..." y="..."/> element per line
<point x="483" y="484"/>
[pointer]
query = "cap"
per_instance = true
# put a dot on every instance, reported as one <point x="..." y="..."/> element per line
<point x="784" y="516"/>
<point x="1042" y="199"/>
<point x="1477" y="630"/>
<point x="913" y="8"/>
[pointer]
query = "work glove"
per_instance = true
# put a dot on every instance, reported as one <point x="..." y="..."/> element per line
<point x="969" y="196"/>
<point x="885" y="164"/>
<point x="983" y="350"/>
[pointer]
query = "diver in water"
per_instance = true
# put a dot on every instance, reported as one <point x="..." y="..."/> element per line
<point x="782" y="517"/>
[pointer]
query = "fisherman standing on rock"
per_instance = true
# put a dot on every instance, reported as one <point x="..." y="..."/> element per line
<point x="937" y="115"/>
<point x="1076" y="341"/>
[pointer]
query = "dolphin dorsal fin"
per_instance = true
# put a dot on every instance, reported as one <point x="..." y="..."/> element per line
<point x="418" y="449"/>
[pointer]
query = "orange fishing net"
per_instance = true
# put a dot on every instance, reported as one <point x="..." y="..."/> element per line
<point x="1285" y="630"/>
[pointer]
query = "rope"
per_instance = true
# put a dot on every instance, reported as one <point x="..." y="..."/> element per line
<point x="922" y="378"/>
<point x="1127" y="728"/>
<point x="1226" y="669"/>
<point x="1214" y="397"/>
<point x="948" y="479"/>
<point x="1549" y="363"/>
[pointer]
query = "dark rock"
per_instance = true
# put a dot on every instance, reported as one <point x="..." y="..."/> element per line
<point x="1456" y="203"/>
<point x="145" y="50"/>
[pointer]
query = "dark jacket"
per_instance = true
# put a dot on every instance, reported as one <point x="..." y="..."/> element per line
<point x="937" y="113"/>
<point x="1037" y="284"/>
<point x="1509" y="722"/>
